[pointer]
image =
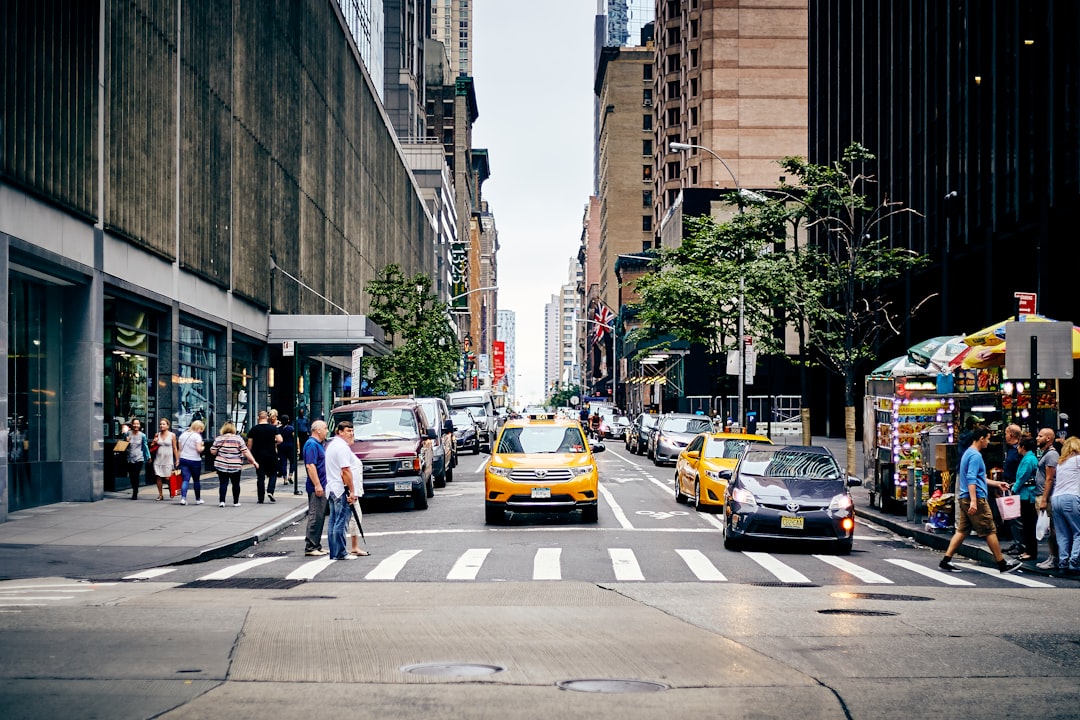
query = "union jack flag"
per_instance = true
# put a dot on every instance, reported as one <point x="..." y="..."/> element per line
<point x="602" y="321"/>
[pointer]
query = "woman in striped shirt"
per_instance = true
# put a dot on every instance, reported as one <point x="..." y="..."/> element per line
<point x="229" y="451"/>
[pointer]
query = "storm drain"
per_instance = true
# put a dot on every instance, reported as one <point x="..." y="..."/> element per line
<point x="242" y="584"/>
<point x="877" y="596"/>
<point x="451" y="669"/>
<point x="268" y="553"/>
<point x="855" y="611"/>
<point x="777" y="583"/>
<point x="611" y="686"/>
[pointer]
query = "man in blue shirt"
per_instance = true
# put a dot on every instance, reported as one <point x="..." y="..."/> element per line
<point x="972" y="507"/>
<point x="315" y="465"/>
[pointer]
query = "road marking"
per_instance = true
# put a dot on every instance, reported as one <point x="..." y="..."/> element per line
<point x="941" y="577"/>
<point x="701" y="566"/>
<point x="783" y="573"/>
<point x="852" y="569"/>
<point x="481" y="468"/>
<point x="1013" y="578"/>
<point x="468" y="565"/>
<point x="662" y="514"/>
<point x="625" y="460"/>
<point x="69" y="587"/>
<point x="310" y="569"/>
<point x="149" y="574"/>
<point x="547" y="564"/>
<point x="37" y="597"/>
<point x="226" y="573"/>
<point x="625" y="564"/>
<point x="619" y="514"/>
<point x="389" y="568"/>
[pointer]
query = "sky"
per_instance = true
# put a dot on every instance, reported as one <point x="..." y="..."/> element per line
<point x="532" y="71"/>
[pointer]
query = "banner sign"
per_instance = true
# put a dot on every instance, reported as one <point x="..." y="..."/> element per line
<point x="498" y="359"/>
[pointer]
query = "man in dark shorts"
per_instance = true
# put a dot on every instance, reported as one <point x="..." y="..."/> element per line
<point x="972" y="507"/>
<point x="262" y="441"/>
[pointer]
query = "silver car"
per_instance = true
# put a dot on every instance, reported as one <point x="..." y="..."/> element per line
<point x="673" y="433"/>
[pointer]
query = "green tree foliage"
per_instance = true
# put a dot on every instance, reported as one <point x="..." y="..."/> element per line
<point x="425" y="357"/>
<point x="561" y="397"/>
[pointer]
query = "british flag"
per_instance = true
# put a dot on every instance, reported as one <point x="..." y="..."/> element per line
<point x="602" y="321"/>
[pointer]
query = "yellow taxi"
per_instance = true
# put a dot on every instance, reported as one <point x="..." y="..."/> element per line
<point x="540" y="463"/>
<point x="697" y="471"/>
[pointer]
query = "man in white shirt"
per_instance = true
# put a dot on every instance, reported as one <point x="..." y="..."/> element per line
<point x="340" y="491"/>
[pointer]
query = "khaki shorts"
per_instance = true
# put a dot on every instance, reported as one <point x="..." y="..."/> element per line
<point x="982" y="521"/>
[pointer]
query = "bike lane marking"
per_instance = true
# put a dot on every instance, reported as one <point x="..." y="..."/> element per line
<point x="618" y="511"/>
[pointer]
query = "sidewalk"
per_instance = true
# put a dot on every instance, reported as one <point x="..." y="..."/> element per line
<point x="117" y="534"/>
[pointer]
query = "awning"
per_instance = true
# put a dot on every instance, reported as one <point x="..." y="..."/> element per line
<point x="328" y="334"/>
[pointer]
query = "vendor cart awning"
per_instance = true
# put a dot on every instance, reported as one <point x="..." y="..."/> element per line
<point x="901" y="367"/>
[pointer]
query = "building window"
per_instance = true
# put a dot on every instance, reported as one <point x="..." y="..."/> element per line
<point x="646" y="97"/>
<point x="673" y="116"/>
<point x="673" y="90"/>
<point x="672" y="196"/>
<point x="674" y="169"/>
<point x="646" y="148"/>
<point x="674" y="36"/>
<point x="693" y="87"/>
<point x="673" y="63"/>
<point x="646" y="122"/>
<point x="693" y="116"/>
<point x="646" y="223"/>
<point x="646" y="172"/>
<point x="693" y="175"/>
<point x="693" y="28"/>
<point x="646" y="198"/>
<point x="197" y="377"/>
<point x="646" y="72"/>
<point x="694" y="58"/>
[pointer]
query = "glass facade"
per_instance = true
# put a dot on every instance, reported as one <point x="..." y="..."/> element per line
<point x="196" y="377"/>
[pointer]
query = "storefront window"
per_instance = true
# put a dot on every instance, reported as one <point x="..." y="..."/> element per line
<point x="243" y="389"/>
<point x="197" y="377"/>
<point x="34" y="354"/>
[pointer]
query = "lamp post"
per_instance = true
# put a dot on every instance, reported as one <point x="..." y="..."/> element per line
<point x="678" y="147"/>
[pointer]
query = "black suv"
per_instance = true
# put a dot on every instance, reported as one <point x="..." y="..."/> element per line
<point x="637" y="437"/>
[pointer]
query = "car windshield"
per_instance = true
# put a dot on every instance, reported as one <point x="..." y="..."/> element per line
<point x="383" y="424"/>
<point x="540" y="439"/>
<point x="790" y="464"/>
<point x="429" y="411"/>
<point x="726" y="448"/>
<point x="686" y="425"/>
<point x="461" y="417"/>
<point x="648" y="421"/>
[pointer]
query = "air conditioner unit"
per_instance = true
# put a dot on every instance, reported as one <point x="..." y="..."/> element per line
<point x="646" y="103"/>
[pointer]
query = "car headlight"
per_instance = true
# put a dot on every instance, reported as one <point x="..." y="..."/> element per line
<point x="713" y="475"/>
<point x="841" y="502"/>
<point x="411" y="463"/>
<point x="661" y="439"/>
<point x="500" y="471"/>
<point x="743" y="497"/>
<point x="583" y="470"/>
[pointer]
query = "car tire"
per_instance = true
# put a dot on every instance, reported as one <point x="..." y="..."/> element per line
<point x="679" y="497"/>
<point x="731" y="543"/>
<point x="697" y="496"/>
<point x="440" y="481"/>
<point x="843" y="547"/>
<point x="494" y="515"/>
<point x="420" y="498"/>
<point x="590" y="514"/>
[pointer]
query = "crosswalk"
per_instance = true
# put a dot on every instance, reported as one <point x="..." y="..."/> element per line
<point x="622" y="565"/>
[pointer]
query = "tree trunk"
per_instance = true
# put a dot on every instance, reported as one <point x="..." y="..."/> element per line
<point x="849" y="437"/>
<point x="804" y="416"/>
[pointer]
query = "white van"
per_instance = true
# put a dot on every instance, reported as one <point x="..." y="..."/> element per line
<point x="481" y="406"/>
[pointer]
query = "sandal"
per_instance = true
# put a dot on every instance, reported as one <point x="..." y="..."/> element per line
<point x="159" y="498"/>
<point x="360" y="553"/>
<point x="1025" y="557"/>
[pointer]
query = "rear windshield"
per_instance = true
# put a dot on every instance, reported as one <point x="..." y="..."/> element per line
<point x="382" y="423"/>
<point x="540" y="439"/>
<point x="686" y="425"/>
<point x="791" y="464"/>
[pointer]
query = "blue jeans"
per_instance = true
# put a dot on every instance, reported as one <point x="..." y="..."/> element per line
<point x="191" y="470"/>
<point x="339" y="518"/>
<point x="1067" y="526"/>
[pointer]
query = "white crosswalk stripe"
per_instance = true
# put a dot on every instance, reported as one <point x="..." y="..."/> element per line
<point x="783" y="573"/>
<point x="310" y="569"/>
<point x="547" y="564"/>
<point x="701" y="566"/>
<point x="149" y="574"/>
<point x="233" y="570"/>
<point x="469" y="564"/>
<point x="1011" y="577"/>
<point x="389" y="568"/>
<point x="941" y="577"/>
<point x="625" y="564"/>
<point x="852" y="569"/>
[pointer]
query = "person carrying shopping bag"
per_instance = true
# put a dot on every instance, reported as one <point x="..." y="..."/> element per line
<point x="191" y="450"/>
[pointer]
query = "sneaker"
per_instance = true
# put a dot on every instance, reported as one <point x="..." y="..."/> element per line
<point x="1009" y="566"/>
<point x="1048" y="564"/>
<point x="198" y="502"/>
<point x="183" y="501"/>
<point x="236" y="504"/>
<point x="271" y="497"/>
<point x="348" y="557"/>
<point x="221" y="504"/>
<point x="947" y="566"/>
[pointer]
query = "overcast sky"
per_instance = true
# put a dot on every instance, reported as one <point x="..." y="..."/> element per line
<point x="533" y="77"/>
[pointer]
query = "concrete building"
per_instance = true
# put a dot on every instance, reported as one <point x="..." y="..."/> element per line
<point x="552" y="347"/>
<point x="365" y="22"/>
<point x="407" y="28"/>
<point x="451" y="24"/>
<point x="569" y="315"/>
<point x="196" y="242"/>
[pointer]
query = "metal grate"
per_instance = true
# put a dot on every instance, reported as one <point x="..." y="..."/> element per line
<point x="243" y="584"/>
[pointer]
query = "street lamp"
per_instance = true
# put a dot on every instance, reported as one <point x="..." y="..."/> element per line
<point x="678" y="147"/>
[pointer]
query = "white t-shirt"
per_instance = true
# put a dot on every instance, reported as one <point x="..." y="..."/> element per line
<point x="189" y="445"/>
<point x="338" y="455"/>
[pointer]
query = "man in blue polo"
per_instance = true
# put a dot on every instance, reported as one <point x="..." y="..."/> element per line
<point x="972" y="507"/>
<point x="315" y="465"/>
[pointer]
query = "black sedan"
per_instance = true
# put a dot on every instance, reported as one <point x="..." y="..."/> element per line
<point x="466" y="431"/>
<point x="637" y="436"/>
<point x="789" y="492"/>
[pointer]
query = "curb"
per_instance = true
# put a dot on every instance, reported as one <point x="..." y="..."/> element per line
<point x="242" y="542"/>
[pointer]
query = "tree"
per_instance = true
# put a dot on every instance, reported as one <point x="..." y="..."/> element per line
<point x="561" y="397"/>
<point x="842" y="272"/>
<point x="425" y="357"/>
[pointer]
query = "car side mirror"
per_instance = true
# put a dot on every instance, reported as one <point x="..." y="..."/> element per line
<point x="853" y="481"/>
<point x="726" y="474"/>
<point x="693" y="454"/>
<point x="432" y="435"/>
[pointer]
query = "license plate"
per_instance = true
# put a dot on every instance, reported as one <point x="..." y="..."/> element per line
<point x="791" y="523"/>
<point x="402" y="486"/>
<point x="541" y="493"/>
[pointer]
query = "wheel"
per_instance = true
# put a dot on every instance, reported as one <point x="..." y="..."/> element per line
<point x="590" y="514"/>
<point x="697" y="496"/>
<point x="730" y="543"/>
<point x="476" y="448"/>
<point x="679" y="497"/>
<point x="656" y="461"/>
<point x="440" y="480"/>
<point x="843" y="547"/>
<point x="419" y="498"/>
<point x="494" y="515"/>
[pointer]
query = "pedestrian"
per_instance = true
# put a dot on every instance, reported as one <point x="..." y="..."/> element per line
<point x="303" y="428"/>
<point x="191" y="450"/>
<point x="1044" y="485"/>
<point x="229" y="452"/>
<point x="287" y="450"/>
<point x="352" y="528"/>
<point x="339" y="488"/>
<point x="1008" y="474"/>
<point x="972" y="508"/>
<point x="262" y="441"/>
<point x="1024" y="486"/>
<point x="315" y="467"/>
<point x="166" y="455"/>
<point x="1065" y="500"/>
<point x="138" y="454"/>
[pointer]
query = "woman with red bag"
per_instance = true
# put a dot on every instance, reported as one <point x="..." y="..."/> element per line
<point x="166" y="457"/>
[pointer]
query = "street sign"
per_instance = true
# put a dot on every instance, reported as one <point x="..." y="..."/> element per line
<point x="1053" y="346"/>
<point x="1025" y="303"/>
<point x="288" y="348"/>
<point x="750" y="359"/>
<point x="357" y="360"/>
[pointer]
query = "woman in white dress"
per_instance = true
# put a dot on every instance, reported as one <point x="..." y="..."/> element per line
<point x="167" y="456"/>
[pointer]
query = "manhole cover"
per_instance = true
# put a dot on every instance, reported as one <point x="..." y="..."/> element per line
<point x="307" y="597"/>
<point x="451" y="669"/>
<point x="854" y="611"/>
<point x="611" y="686"/>
<point x="876" y="596"/>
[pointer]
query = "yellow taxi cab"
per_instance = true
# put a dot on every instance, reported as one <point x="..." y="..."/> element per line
<point x="541" y="463"/>
<point x="697" y="471"/>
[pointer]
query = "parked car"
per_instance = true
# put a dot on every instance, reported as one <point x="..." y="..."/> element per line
<point x="673" y="433"/>
<point x="612" y="425"/>
<point x="789" y="492"/>
<point x="699" y="471"/>
<point x="467" y="432"/>
<point x="444" y="458"/>
<point x="637" y="435"/>
<point x="392" y="439"/>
